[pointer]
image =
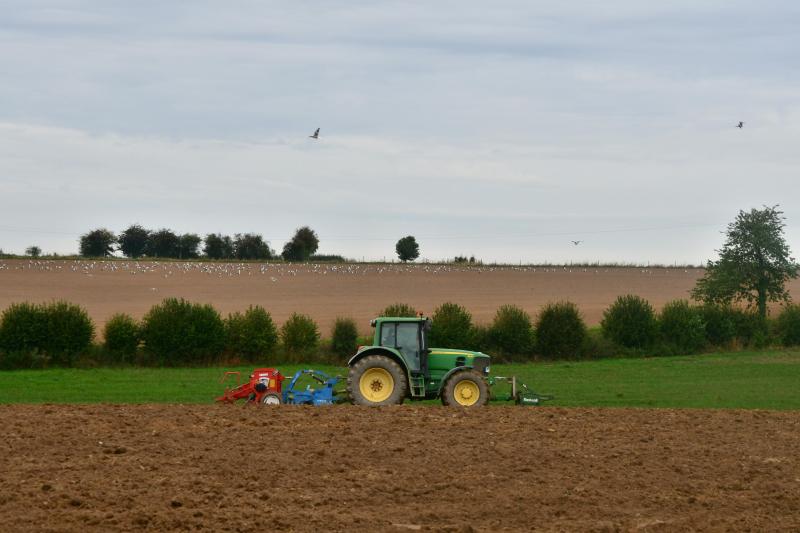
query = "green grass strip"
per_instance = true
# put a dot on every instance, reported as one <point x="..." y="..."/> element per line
<point x="763" y="380"/>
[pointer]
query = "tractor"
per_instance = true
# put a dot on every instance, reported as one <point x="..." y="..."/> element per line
<point x="400" y="365"/>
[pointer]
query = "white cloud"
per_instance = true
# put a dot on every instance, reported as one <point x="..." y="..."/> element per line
<point x="452" y="120"/>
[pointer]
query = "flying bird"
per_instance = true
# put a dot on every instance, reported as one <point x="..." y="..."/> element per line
<point x="740" y="125"/>
<point x="576" y="243"/>
<point x="316" y="135"/>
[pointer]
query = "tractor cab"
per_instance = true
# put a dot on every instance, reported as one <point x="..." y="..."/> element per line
<point x="409" y="337"/>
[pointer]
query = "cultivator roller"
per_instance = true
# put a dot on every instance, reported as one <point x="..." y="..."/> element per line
<point x="512" y="389"/>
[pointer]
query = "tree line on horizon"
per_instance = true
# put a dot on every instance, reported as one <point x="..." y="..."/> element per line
<point x="137" y="241"/>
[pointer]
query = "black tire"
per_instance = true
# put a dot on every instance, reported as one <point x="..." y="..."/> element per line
<point x="377" y="362"/>
<point x="480" y="387"/>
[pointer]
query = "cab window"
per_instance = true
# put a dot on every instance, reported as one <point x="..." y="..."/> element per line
<point x="388" y="335"/>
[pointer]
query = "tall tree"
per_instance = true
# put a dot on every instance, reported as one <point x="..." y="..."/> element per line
<point x="304" y="243"/>
<point x="218" y="246"/>
<point x="97" y="243"/>
<point x="754" y="263"/>
<point x="251" y="246"/>
<point x="187" y="246"/>
<point x="163" y="243"/>
<point x="33" y="251"/>
<point x="407" y="248"/>
<point x="133" y="241"/>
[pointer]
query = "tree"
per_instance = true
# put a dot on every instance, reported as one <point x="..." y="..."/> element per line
<point x="163" y="243"/>
<point x="33" y="251"/>
<point x="251" y="246"/>
<point x="407" y="249"/>
<point x="304" y="243"/>
<point x="133" y="241"/>
<point x="97" y="243"/>
<point x="187" y="246"/>
<point x="754" y="263"/>
<point x="218" y="246"/>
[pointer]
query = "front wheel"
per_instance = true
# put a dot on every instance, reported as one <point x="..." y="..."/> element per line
<point x="467" y="388"/>
<point x="377" y="380"/>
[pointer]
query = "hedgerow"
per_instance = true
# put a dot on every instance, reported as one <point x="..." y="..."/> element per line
<point x="179" y="332"/>
<point x="300" y="337"/>
<point x="251" y="336"/>
<point x="560" y="331"/>
<point x="451" y="326"/>
<point x="630" y="322"/>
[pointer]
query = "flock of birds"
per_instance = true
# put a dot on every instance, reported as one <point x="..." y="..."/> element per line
<point x="275" y="271"/>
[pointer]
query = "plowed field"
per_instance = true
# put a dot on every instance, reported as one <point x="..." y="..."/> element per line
<point x="220" y="468"/>
<point x="328" y="291"/>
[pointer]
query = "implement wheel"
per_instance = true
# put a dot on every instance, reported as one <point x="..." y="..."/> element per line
<point x="377" y="380"/>
<point x="271" y="399"/>
<point x="467" y="388"/>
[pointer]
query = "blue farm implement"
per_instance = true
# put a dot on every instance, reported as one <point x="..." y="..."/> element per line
<point x="322" y="394"/>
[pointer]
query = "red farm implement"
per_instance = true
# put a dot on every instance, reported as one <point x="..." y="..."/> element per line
<point x="264" y="387"/>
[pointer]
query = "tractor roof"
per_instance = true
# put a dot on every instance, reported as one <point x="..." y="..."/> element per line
<point x="374" y="321"/>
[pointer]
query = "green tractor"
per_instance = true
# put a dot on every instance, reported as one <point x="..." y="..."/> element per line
<point x="401" y="365"/>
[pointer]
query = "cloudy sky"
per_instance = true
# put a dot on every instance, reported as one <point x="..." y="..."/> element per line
<point x="499" y="129"/>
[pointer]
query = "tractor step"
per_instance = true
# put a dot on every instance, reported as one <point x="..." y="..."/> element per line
<point x="417" y="385"/>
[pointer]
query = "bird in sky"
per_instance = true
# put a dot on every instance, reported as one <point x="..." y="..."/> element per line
<point x="740" y="125"/>
<point x="576" y="243"/>
<point x="316" y="135"/>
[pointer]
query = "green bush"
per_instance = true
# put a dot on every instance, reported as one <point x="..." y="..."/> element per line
<point x="560" y="331"/>
<point x="750" y="328"/>
<point x="252" y="335"/>
<point x="344" y="338"/>
<point x="399" y="310"/>
<point x="719" y="322"/>
<point x="23" y="328"/>
<point x="480" y="338"/>
<point x="300" y="337"/>
<point x="598" y="346"/>
<point x="630" y="322"/>
<point x="180" y="332"/>
<point x="451" y="327"/>
<point x="69" y="332"/>
<point x="122" y="338"/>
<point x="787" y="325"/>
<point x="682" y="327"/>
<point x="32" y="335"/>
<point x="511" y="332"/>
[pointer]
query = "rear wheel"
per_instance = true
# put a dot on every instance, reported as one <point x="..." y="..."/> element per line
<point x="377" y="380"/>
<point x="467" y="388"/>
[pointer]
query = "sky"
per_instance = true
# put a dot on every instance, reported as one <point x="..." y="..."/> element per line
<point x="503" y="130"/>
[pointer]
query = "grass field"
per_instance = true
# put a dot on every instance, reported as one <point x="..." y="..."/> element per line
<point x="763" y="380"/>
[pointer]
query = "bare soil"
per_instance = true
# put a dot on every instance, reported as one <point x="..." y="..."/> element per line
<point x="328" y="291"/>
<point x="222" y="468"/>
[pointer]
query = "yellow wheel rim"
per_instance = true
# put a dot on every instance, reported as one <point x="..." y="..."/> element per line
<point x="467" y="393"/>
<point x="376" y="384"/>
